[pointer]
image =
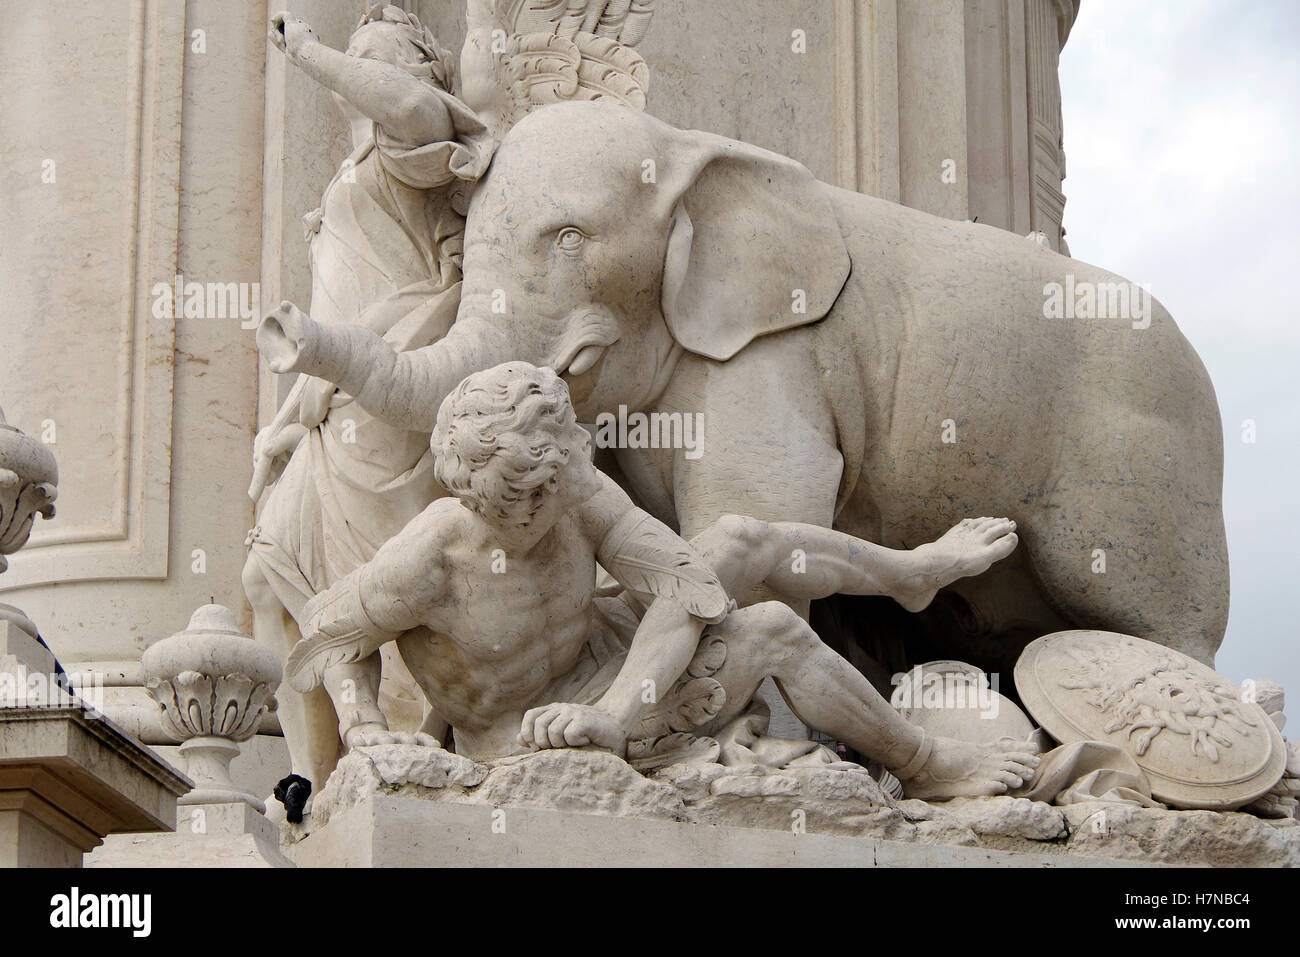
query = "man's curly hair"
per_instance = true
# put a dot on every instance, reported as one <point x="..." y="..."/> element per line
<point x="502" y="434"/>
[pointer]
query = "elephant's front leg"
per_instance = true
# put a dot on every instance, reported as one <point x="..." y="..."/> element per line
<point x="759" y="458"/>
<point x="766" y="445"/>
<point x="765" y="448"/>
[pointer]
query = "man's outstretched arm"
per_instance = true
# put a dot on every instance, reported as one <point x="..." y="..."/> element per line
<point x="406" y="107"/>
<point x="374" y="604"/>
<point x="664" y="643"/>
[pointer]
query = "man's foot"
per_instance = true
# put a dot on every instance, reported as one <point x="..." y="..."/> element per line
<point x="966" y="549"/>
<point x="959" y="769"/>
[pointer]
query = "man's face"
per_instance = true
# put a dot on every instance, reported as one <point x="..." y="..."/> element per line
<point x="541" y="508"/>
<point x="537" y="510"/>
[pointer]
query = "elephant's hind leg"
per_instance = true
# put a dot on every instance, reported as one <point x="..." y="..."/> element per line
<point x="1149" y="561"/>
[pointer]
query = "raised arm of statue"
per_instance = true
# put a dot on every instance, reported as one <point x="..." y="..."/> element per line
<point x="404" y="105"/>
<point x="402" y="388"/>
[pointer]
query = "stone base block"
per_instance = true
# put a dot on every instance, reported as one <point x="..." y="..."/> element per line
<point x="398" y="831"/>
<point x="208" y="835"/>
<point x="68" y="778"/>
<point x="404" y="805"/>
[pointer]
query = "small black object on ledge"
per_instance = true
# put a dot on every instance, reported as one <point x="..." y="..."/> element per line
<point x="293" y="792"/>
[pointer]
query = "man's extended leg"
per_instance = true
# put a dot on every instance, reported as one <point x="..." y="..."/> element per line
<point x="799" y="562"/>
<point x="830" y="695"/>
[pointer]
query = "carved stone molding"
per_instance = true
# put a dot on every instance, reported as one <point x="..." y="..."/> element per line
<point x="114" y="418"/>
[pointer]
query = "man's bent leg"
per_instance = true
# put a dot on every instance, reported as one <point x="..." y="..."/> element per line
<point x="830" y="695"/>
<point x="822" y="688"/>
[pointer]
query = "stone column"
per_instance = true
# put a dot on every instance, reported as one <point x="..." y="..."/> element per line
<point x="1047" y="25"/>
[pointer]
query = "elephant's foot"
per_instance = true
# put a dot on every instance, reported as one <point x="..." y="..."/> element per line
<point x="946" y="768"/>
<point x="968" y="548"/>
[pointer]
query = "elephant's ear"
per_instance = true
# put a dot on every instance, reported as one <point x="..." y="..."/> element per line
<point x="753" y="248"/>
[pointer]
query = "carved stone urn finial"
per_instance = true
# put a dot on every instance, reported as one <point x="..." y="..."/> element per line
<point x="29" y="477"/>
<point x="214" y="684"/>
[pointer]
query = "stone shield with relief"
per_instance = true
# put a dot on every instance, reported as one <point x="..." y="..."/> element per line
<point x="1200" y="740"/>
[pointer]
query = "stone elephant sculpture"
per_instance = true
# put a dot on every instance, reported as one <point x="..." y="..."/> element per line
<point x="856" y="362"/>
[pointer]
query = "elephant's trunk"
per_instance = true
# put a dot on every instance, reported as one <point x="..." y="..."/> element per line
<point x="401" y="388"/>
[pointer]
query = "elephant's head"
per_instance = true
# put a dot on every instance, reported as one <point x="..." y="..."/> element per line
<point x="604" y="242"/>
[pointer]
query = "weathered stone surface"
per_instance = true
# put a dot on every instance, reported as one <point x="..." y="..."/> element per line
<point x="571" y="780"/>
<point x="1010" y="817"/>
<point x="390" y="767"/>
<point x="813" y="799"/>
<point x="395" y="831"/>
<point x="827" y="801"/>
<point x="213" y="835"/>
<point x="1191" y="838"/>
<point x="400" y="764"/>
<point x="588" y="781"/>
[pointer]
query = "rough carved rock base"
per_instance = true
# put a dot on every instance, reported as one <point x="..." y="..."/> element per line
<point x="832" y="801"/>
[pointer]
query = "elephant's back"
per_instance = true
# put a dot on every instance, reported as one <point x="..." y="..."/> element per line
<point x="980" y="385"/>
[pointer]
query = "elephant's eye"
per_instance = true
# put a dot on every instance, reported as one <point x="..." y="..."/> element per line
<point x="570" y="239"/>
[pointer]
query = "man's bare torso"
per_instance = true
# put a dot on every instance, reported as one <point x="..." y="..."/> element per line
<point x="501" y="628"/>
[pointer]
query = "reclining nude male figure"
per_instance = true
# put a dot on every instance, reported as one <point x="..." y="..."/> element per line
<point x="491" y="596"/>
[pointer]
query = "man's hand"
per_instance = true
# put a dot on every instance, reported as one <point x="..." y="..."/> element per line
<point x="291" y="35"/>
<point x="271" y="451"/>
<point x="571" y="726"/>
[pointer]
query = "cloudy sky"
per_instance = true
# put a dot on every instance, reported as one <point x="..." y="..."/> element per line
<point x="1182" y="120"/>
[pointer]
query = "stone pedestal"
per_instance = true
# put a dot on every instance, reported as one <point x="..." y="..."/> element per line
<point x="210" y="835"/>
<point x="68" y="779"/>
<point x="212" y="685"/>
<point x="398" y="831"/>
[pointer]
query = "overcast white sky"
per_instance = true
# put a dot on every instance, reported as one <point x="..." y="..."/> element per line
<point x="1182" y="119"/>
